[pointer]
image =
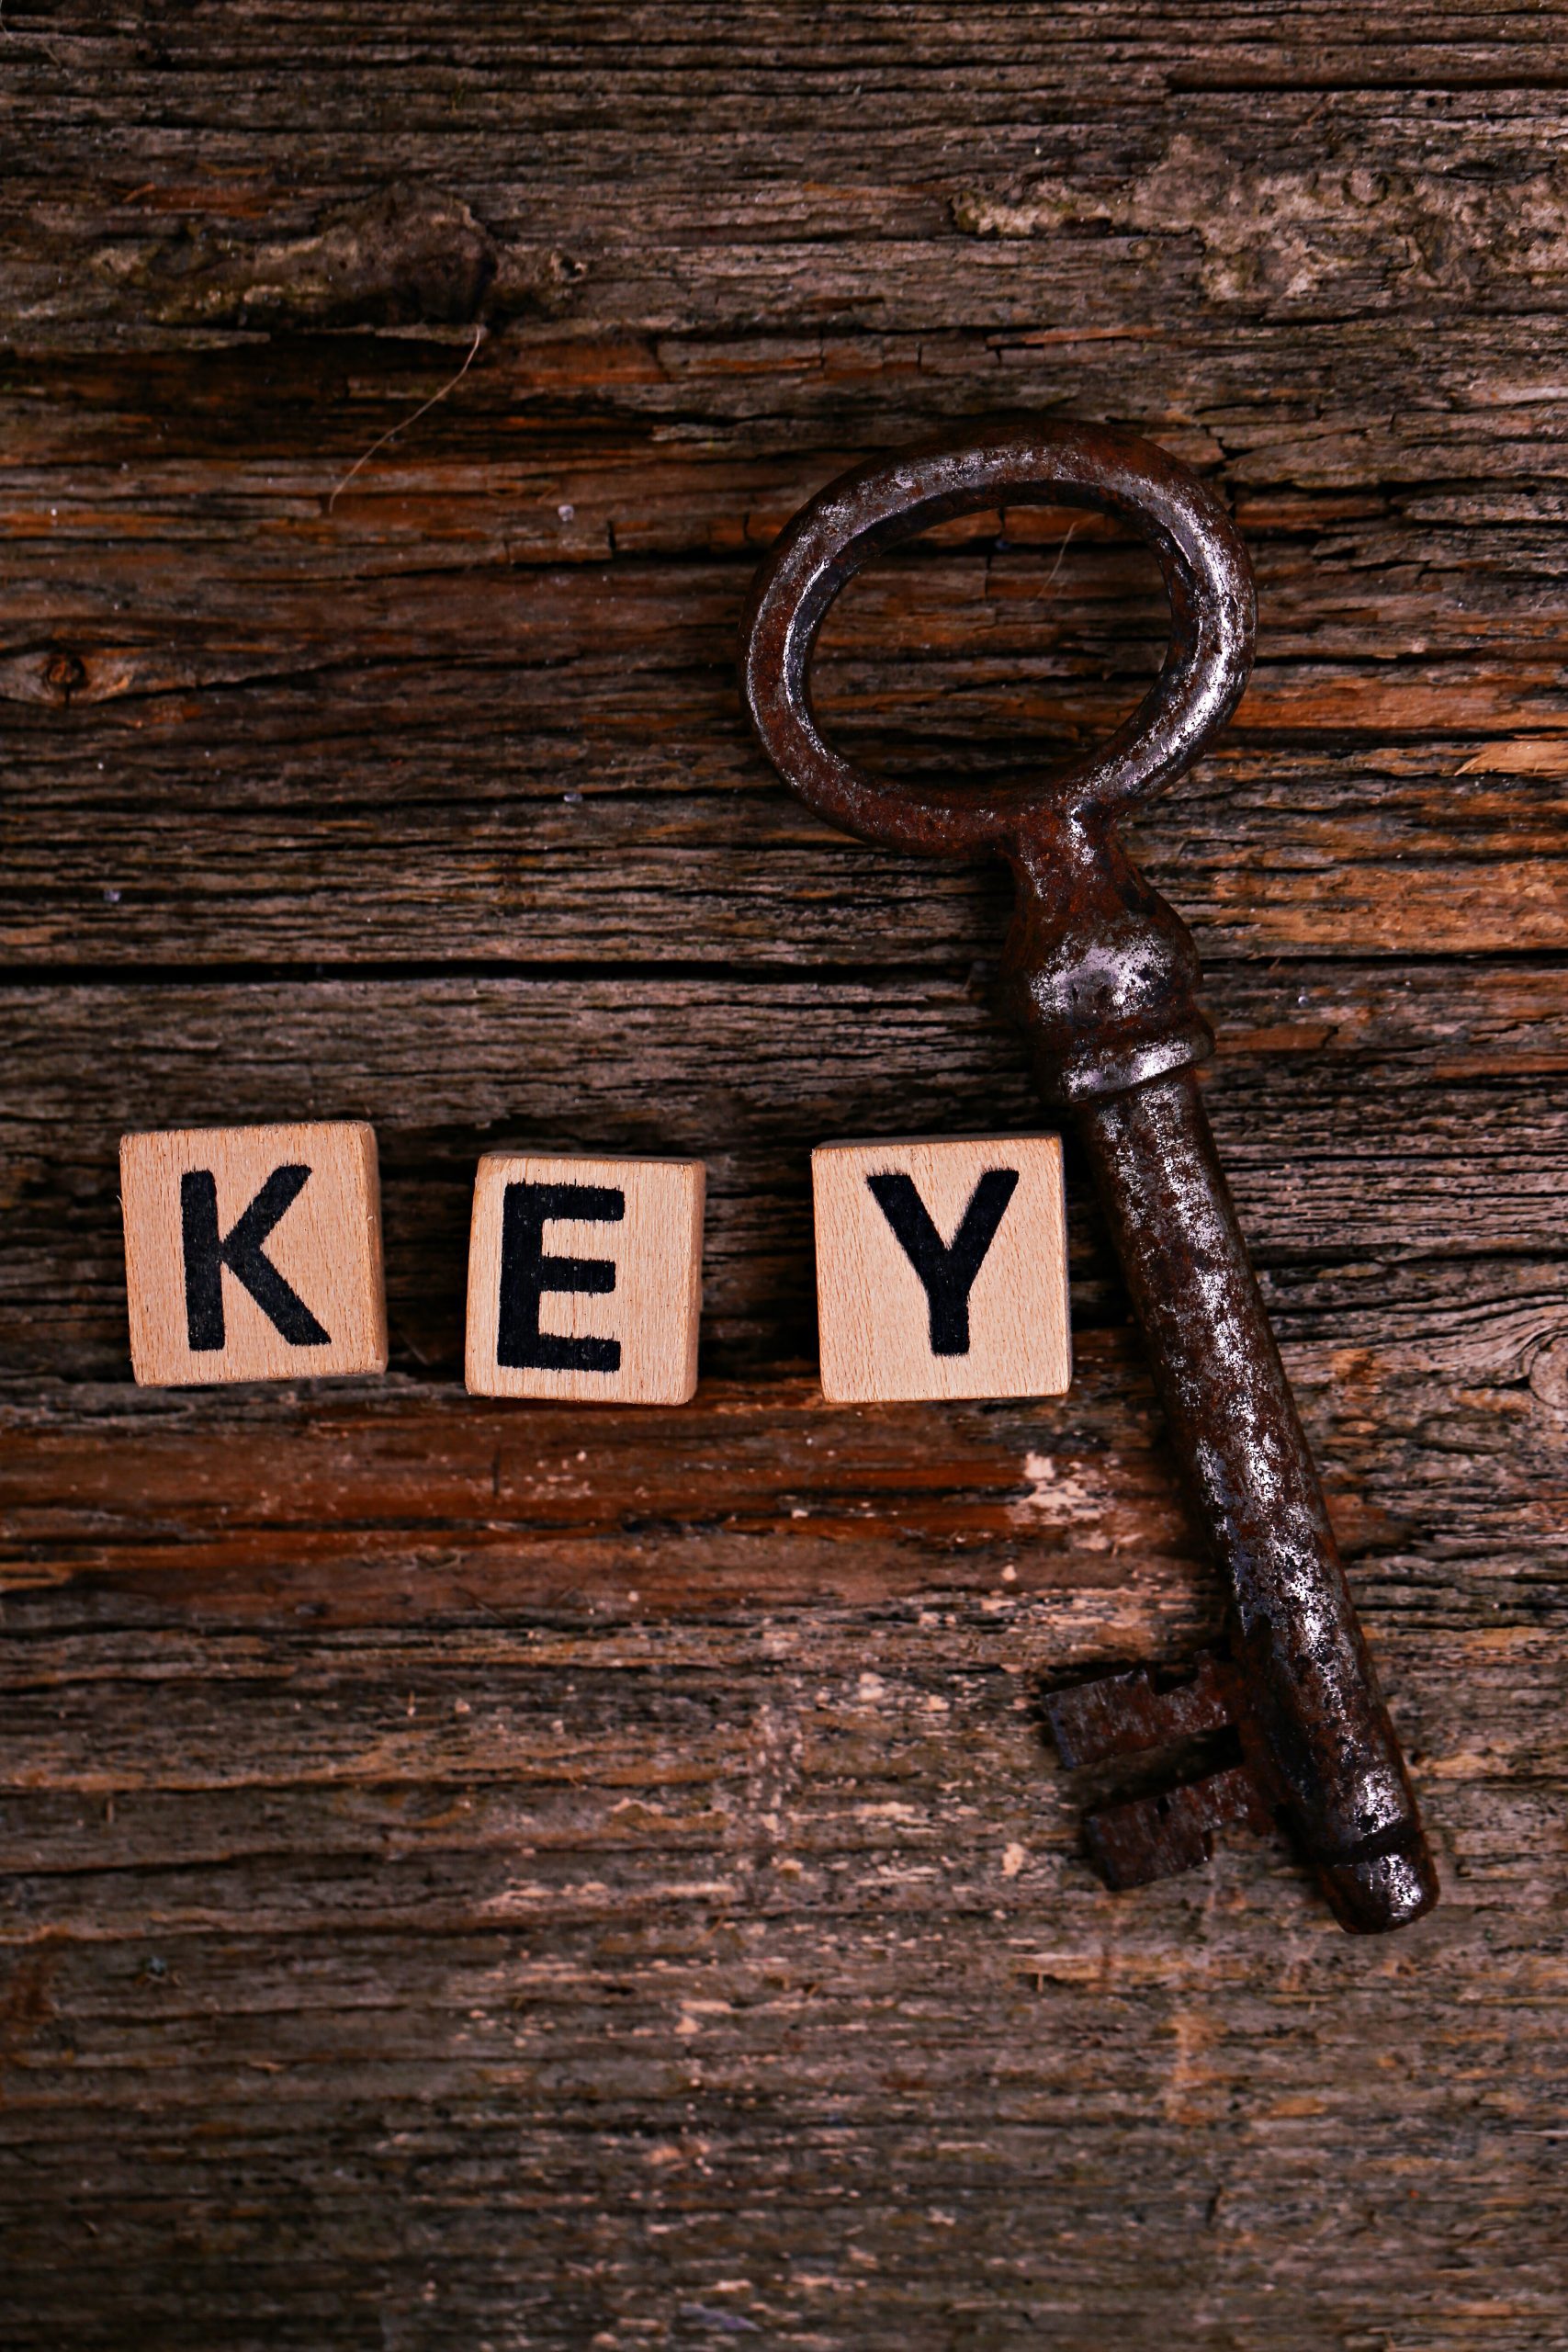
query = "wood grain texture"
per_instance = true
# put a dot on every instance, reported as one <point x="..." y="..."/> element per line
<point x="551" y="1878"/>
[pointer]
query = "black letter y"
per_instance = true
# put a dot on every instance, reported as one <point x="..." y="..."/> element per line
<point x="946" y="1275"/>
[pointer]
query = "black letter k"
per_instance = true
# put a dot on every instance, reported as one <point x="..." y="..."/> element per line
<point x="206" y="1253"/>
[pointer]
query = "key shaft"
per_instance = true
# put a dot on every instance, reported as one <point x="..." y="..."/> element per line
<point x="1315" y="1730"/>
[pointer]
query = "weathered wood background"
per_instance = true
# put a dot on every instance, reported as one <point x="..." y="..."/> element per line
<point x="498" y="1877"/>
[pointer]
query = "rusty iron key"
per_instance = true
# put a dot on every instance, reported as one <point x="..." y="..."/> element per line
<point x="1101" y="974"/>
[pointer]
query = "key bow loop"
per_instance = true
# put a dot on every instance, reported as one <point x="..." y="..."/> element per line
<point x="1100" y="970"/>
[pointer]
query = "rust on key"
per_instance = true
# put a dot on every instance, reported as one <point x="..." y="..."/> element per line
<point x="1101" y="973"/>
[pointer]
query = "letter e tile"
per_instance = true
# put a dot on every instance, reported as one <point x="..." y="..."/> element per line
<point x="941" y="1268"/>
<point x="585" y="1278"/>
<point x="252" y="1253"/>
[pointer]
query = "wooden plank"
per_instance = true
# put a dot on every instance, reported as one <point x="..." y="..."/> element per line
<point x="722" y="127"/>
<point x="1357" y="1107"/>
<point x="1441" y="846"/>
<point x="1446" y="1468"/>
<point x="190" y="783"/>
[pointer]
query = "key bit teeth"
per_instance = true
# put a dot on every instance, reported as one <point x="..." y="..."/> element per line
<point x="1151" y="1837"/>
<point x="1143" y="1838"/>
<point x="1118" y="1714"/>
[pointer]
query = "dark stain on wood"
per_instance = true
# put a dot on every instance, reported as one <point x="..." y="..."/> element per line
<point x="517" y="1877"/>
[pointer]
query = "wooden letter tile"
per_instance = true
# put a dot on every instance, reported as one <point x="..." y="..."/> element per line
<point x="252" y="1253"/>
<point x="941" y="1268"/>
<point x="585" y="1278"/>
